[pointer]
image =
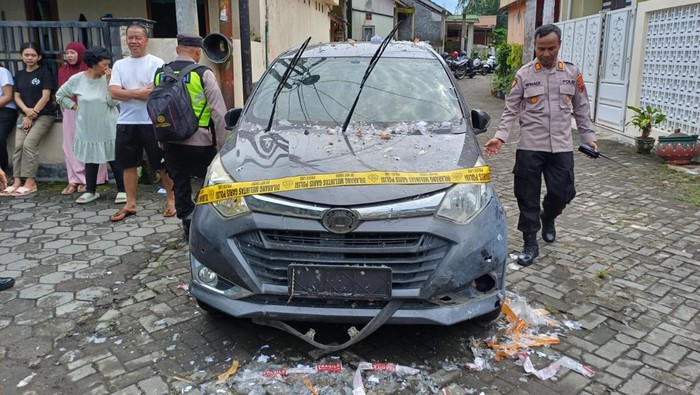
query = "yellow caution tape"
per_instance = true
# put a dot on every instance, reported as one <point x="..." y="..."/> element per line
<point x="215" y="193"/>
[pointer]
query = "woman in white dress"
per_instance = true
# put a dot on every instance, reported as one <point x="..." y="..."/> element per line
<point x="96" y="119"/>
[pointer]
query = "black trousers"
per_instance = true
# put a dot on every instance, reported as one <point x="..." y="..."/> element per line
<point x="184" y="162"/>
<point x="8" y="122"/>
<point x="91" y="170"/>
<point x="558" y="171"/>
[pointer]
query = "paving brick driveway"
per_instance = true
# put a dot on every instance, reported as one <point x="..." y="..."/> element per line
<point x="99" y="307"/>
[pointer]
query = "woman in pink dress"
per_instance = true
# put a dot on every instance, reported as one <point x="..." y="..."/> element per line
<point x="75" y="168"/>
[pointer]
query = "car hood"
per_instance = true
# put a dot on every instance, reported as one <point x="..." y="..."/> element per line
<point x="258" y="155"/>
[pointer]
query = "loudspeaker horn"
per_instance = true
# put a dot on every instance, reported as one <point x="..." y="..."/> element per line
<point x="216" y="47"/>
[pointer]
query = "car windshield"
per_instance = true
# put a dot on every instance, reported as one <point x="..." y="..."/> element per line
<point x="321" y="91"/>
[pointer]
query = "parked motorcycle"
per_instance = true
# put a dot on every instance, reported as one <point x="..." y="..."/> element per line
<point x="489" y="65"/>
<point x="464" y="68"/>
<point x="478" y="65"/>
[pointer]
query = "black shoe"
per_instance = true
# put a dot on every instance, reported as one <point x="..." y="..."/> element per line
<point x="530" y="250"/>
<point x="6" y="283"/>
<point x="549" y="232"/>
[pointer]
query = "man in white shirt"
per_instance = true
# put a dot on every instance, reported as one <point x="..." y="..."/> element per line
<point x="131" y="83"/>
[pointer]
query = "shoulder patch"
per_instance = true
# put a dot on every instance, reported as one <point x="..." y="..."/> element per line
<point x="538" y="66"/>
<point x="515" y="82"/>
<point x="560" y="65"/>
<point x="579" y="82"/>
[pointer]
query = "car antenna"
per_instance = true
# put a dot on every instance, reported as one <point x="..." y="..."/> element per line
<point x="375" y="58"/>
<point x="285" y="76"/>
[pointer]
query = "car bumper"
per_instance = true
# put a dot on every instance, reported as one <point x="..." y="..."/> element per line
<point x="474" y="252"/>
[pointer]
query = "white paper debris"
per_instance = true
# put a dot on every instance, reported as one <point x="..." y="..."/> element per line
<point x="551" y="370"/>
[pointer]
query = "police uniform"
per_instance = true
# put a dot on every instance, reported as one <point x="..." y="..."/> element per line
<point x="545" y="101"/>
<point x="191" y="157"/>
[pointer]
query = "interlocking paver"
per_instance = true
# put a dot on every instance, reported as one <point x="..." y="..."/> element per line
<point x="103" y="304"/>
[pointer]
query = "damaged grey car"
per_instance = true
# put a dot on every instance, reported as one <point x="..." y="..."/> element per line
<point x="301" y="227"/>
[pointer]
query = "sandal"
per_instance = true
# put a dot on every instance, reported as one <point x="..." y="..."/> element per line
<point x="121" y="214"/>
<point x="69" y="189"/>
<point x="23" y="191"/>
<point x="82" y="188"/>
<point x="87" y="197"/>
<point x="8" y="191"/>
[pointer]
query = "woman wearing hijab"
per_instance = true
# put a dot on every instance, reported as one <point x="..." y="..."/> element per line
<point x="74" y="167"/>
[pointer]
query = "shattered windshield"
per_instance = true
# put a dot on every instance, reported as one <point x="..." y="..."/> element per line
<point x="321" y="91"/>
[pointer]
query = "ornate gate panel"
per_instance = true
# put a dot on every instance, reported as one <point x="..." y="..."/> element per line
<point x="580" y="44"/>
<point x="614" y="70"/>
<point x="671" y="72"/>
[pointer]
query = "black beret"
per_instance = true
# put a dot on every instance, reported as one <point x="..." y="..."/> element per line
<point x="189" y="40"/>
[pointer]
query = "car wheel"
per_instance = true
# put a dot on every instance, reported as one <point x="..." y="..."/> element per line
<point x="487" y="318"/>
<point x="208" y="308"/>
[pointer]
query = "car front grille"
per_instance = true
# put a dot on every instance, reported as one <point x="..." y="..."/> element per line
<point x="411" y="256"/>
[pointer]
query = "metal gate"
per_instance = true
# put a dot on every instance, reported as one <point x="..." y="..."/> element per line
<point x="614" y="70"/>
<point x="580" y="44"/>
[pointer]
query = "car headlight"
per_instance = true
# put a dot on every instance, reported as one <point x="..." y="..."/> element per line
<point x="464" y="201"/>
<point x="217" y="174"/>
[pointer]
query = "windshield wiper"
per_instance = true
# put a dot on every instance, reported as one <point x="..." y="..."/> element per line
<point x="283" y="81"/>
<point x="373" y="62"/>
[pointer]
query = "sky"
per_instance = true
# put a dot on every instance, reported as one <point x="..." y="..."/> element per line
<point x="449" y="5"/>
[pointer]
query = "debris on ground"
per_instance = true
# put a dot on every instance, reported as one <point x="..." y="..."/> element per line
<point x="551" y="370"/>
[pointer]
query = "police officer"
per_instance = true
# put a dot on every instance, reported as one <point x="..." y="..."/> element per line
<point x="546" y="93"/>
<point x="190" y="157"/>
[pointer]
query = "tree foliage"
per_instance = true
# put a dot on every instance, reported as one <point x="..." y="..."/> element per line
<point x="484" y="7"/>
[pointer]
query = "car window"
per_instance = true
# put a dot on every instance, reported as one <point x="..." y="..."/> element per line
<point x="322" y="90"/>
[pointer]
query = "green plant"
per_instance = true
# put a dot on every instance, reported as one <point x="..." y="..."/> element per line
<point x="515" y="59"/>
<point x="644" y="118"/>
<point x="602" y="274"/>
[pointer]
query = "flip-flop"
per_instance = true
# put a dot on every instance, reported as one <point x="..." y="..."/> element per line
<point x="81" y="188"/>
<point x="23" y="191"/>
<point x="121" y="214"/>
<point x="8" y="191"/>
<point x="69" y="189"/>
<point x="87" y="197"/>
<point x="169" y="212"/>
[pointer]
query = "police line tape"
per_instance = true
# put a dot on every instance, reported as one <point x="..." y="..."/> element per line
<point x="215" y="193"/>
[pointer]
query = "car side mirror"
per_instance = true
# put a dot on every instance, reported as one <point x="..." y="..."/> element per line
<point x="231" y="117"/>
<point x="480" y="121"/>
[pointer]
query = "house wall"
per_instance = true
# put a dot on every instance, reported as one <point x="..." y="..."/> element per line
<point x="70" y="10"/>
<point x="516" y="23"/>
<point x="382" y="17"/>
<point x="581" y="8"/>
<point x="428" y="26"/>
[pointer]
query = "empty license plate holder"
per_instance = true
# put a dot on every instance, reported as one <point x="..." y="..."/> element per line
<point x="346" y="282"/>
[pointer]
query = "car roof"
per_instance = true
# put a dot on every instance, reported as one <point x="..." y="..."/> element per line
<point x="395" y="49"/>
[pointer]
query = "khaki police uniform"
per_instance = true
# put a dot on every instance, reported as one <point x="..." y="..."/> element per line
<point x="545" y="100"/>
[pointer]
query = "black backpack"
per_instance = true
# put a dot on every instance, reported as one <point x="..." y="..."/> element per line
<point x="170" y="106"/>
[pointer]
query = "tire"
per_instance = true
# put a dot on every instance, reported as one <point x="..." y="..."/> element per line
<point x="472" y="74"/>
<point x="484" y="71"/>
<point x="488" y="318"/>
<point x="208" y="308"/>
<point x="460" y="73"/>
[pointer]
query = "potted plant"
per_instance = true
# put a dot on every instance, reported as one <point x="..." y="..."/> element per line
<point x="643" y="119"/>
<point x="677" y="148"/>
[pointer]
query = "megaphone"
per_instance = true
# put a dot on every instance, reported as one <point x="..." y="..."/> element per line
<point x="216" y="47"/>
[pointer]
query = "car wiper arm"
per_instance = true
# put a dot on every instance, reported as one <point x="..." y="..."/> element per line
<point x="283" y="81"/>
<point x="373" y="62"/>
